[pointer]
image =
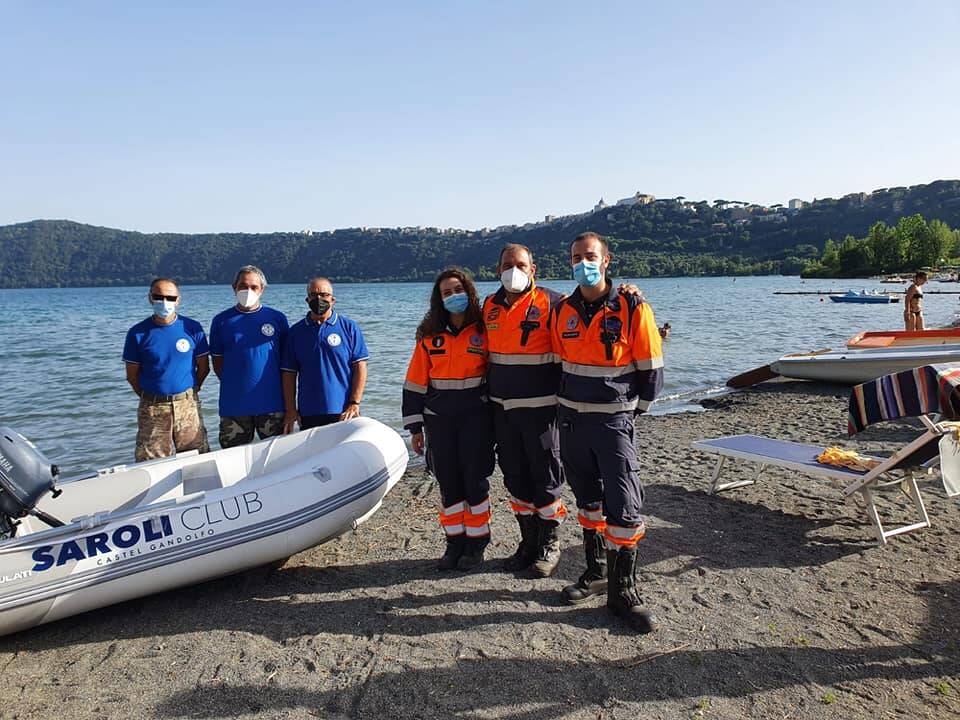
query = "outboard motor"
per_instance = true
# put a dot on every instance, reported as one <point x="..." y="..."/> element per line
<point x="25" y="477"/>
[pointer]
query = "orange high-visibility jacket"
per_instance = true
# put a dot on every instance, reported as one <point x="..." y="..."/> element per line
<point x="614" y="362"/>
<point x="523" y="370"/>
<point x="445" y="375"/>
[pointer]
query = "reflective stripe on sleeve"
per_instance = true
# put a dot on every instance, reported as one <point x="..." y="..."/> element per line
<point x="522" y="359"/>
<point x="451" y="384"/>
<point x="412" y="419"/>
<point x="644" y="405"/>
<point x="413" y="387"/>
<point x="596" y="371"/>
<point x="651" y="364"/>
<point x="534" y="402"/>
<point x="586" y="407"/>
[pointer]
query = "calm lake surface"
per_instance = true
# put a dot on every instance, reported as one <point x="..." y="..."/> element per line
<point x="62" y="378"/>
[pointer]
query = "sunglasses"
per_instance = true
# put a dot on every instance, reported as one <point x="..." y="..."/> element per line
<point x="320" y="294"/>
<point x="158" y="298"/>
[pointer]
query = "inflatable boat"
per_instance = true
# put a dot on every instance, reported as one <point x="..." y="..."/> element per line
<point x="68" y="546"/>
<point x="851" y="367"/>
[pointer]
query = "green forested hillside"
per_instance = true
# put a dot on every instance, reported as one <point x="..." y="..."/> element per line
<point x="667" y="237"/>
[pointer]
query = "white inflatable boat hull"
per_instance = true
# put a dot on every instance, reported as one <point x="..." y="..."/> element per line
<point x="851" y="367"/>
<point x="154" y="526"/>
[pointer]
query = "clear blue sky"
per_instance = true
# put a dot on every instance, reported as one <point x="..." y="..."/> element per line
<point x="159" y="116"/>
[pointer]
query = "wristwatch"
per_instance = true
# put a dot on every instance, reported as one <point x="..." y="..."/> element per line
<point x="353" y="402"/>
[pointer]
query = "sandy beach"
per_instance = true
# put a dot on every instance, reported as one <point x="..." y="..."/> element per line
<point x="774" y="603"/>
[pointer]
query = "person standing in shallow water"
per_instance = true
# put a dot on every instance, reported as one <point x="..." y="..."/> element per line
<point x="913" y="303"/>
<point x="167" y="361"/>
<point x="446" y="411"/>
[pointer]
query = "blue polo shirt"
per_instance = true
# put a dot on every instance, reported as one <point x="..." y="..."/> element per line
<point x="323" y="354"/>
<point x="250" y="344"/>
<point x="166" y="354"/>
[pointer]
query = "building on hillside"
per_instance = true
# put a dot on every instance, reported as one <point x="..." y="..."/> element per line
<point x="738" y="213"/>
<point x="795" y="203"/>
<point x="637" y="199"/>
<point x="718" y="226"/>
<point x="600" y="205"/>
<point x="549" y="218"/>
<point x="856" y="199"/>
<point x="772" y="218"/>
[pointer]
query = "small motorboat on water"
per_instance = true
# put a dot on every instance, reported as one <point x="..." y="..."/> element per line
<point x="864" y="297"/>
<point x="856" y="366"/>
<point x="132" y="530"/>
<point x="903" y="338"/>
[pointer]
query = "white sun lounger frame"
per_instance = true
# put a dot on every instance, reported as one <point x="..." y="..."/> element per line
<point x="863" y="484"/>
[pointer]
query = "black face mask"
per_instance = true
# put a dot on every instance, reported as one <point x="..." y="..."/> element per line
<point x="318" y="305"/>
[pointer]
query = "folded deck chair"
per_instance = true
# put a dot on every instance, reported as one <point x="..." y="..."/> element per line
<point x="894" y="470"/>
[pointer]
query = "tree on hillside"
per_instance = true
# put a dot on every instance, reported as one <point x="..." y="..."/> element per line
<point x="886" y="246"/>
<point x="924" y="246"/>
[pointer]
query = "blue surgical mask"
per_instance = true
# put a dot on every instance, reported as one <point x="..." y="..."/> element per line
<point x="456" y="303"/>
<point x="587" y="273"/>
<point x="164" y="308"/>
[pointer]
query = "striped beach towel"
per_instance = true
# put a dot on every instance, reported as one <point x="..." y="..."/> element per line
<point x="911" y="393"/>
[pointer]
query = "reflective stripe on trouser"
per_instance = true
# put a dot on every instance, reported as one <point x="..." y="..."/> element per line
<point x="555" y="511"/>
<point x="168" y="427"/>
<point x="528" y="450"/>
<point x="476" y="519"/>
<point x="460" y="454"/>
<point x="522" y="507"/>
<point x="592" y="518"/>
<point x="451" y="519"/>
<point x="617" y="537"/>
<point x="600" y="460"/>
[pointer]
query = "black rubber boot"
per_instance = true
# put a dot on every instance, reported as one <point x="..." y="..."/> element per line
<point x="548" y="548"/>
<point x="593" y="582"/>
<point x="452" y="554"/>
<point x="527" y="549"/>
<point x="623" y="598"/>
<point x="472" y="557"/>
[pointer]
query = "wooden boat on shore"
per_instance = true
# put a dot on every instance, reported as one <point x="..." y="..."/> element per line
<point x="903" y="338"/>
<point x="133" y="530"/>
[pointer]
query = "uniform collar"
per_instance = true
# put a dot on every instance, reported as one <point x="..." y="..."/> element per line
<point x="500" y="296"/>
<point x="611" y="298"/>
<point x="332" y="320"/>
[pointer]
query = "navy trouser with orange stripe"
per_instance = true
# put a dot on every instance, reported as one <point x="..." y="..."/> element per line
<point x="528" y="449"/>
<point x="460" y="454"/>
<point x="600" y="460"/>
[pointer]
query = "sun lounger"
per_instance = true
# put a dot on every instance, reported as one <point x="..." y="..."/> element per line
<point x="898" y="469"/>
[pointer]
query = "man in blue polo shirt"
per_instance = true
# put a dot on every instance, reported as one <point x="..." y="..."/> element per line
<point x="167" y="362"/>
<point x="327" y="354"/>
<point x="245" y="342"/>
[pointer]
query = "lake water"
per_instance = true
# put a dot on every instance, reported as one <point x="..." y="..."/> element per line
<point x="62" y="378"/>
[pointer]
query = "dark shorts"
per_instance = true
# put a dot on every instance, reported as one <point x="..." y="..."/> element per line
<point x="239" y="429"/>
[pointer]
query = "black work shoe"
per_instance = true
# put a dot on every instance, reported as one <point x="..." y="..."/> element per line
<point x="472" y="557"/>
<point x="593" y="582"/>
<point x="451" y="555"/>
<point x="623" y="598"/>
<point x="548" y="548"/>
<point x="527" y="549"/>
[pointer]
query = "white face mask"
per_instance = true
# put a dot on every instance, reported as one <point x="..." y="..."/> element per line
<point x="248" y="298"/>
<point x="514" y="280"/>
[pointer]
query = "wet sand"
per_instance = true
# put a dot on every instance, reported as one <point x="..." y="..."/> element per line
<point x="773" y="599"/>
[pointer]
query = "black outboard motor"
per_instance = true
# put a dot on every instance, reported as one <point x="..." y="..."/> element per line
<point x="25" y="477"/>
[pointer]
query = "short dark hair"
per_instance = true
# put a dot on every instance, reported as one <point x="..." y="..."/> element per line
<point x="919" y="274"/>
<point x="590" y="235"/>
<point x="164" y="279"/>
<point x="514" y="247"/>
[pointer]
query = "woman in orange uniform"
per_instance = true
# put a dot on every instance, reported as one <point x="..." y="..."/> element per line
<point x="445" y="396"/>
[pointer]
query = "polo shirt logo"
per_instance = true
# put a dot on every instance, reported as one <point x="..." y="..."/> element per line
<point x="476" y="340"/>
<point x="183" y="345"/>
<point x="572" y="322"/>
<point x="267" y="329"/>
<point x="333" y="340"/>
<point x="437" y="341"/>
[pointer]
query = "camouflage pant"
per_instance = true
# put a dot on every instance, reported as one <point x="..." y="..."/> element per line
<point x="168" y="427"/>
<point x="238" y="429"/>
